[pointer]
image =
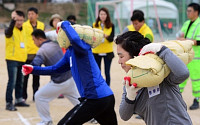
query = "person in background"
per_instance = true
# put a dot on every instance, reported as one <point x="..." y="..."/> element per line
<point x="138" y="24"/>
<point x="15" y="57"/>
<point x="105" y="49"/>
<point x="31" y="24"/>
<point x="52" y="35"/>
<point x="61" y="83"/>
<point x="166" y="105"/>
<point x="72" y="19"/>
<point x="191" y="30"/>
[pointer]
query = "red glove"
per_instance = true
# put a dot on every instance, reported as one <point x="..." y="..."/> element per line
<point x="58" y="26"/>
<point x="131" y="89"/>
<point x="27" y="69"/>
<point x="129" y="80"/>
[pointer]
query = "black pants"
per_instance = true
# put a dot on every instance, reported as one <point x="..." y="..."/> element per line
<point x="107" y="64"/>
<point x="100" y="109"/>
<point x="35" y="84"/>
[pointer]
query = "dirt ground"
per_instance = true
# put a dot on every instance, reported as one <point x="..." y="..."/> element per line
<point x="58" y="107"/>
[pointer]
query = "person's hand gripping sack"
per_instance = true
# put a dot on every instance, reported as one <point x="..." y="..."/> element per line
<point x="131" y="89"/>
<point x="151" y="48"/>
<point x="27" y="69"/>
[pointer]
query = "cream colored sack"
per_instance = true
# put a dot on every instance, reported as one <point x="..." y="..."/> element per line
<point x="150" y="70"/>
<point x="90" y="35"/>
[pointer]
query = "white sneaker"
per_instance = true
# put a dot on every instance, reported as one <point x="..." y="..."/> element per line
<point x="45" y="123"/>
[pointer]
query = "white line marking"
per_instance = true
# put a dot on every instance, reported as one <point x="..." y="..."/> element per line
<point x="17" y="119"/>
<point x="25" y="121"/>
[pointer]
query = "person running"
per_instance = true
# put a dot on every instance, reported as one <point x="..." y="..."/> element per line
<point x="15" y="57"/>
<point x="31" y="24"/>
<point x="191" y="30"/>
<point x="166" y="105"/>
<point x="97" y="99"/>
<point x="61" y="83"/>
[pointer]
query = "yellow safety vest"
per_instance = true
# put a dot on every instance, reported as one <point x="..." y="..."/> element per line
<point x="193" y="33"/>
<point x="31" y="47"/>
<point x="131" y="27"/>
<point x="144" y="30"/>
<point x="106" y="46"/>
<point x="16" y="46"/>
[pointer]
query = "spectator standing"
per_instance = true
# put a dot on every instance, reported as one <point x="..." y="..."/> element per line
<point x="191" y="30"/>
<point x="138" y="24"/>
<point x="15" y="57"/>
<point x="105" y="49"/>
<point x="52" y="35"/>
<point x="31" y="24"/>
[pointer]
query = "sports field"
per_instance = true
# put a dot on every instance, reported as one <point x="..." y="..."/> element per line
<point x="58" y="107"/>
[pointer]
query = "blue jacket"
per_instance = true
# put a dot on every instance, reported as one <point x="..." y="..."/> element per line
<point x="80" y="60"/>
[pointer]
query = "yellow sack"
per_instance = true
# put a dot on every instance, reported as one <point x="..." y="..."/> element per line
<point x="150" y="70"/>
<point x="182" y="49"/>
<point x="90" y="35"/>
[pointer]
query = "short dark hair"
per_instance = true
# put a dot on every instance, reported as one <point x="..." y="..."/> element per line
<point x="33" y="9"/>
<point x="38" y="33"/>
<point x="71" y="17"/>
<point x="132" y="42"/>
<point x="137" y="15"/>
<point x="20" y="13"/>
<point x="195" y="6"/>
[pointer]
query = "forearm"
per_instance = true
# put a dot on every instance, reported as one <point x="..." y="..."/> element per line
<point x="126" y="108"/>
<point x="59" y="67"/>
<point x="9" y="30"/>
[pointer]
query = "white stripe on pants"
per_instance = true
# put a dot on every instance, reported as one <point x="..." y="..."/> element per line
<point x="51" y="91"/>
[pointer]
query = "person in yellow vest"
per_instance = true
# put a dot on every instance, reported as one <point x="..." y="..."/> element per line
<point x="15" y="57"/>
<point x="191" y="30"/>
<point x="138" y="24"/>
<point x="105" y="49"/>
<point x="31" y="24"/>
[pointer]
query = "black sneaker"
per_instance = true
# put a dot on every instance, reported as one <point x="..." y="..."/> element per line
<point x="22" y="104"/>
<point x="195" y="105"/>
<point x="10" y="107"/>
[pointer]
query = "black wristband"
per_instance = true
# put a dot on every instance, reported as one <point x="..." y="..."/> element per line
<point x="129" y="101"/>
<point x="163" y="48"/>
<point x="198" y="42"/>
